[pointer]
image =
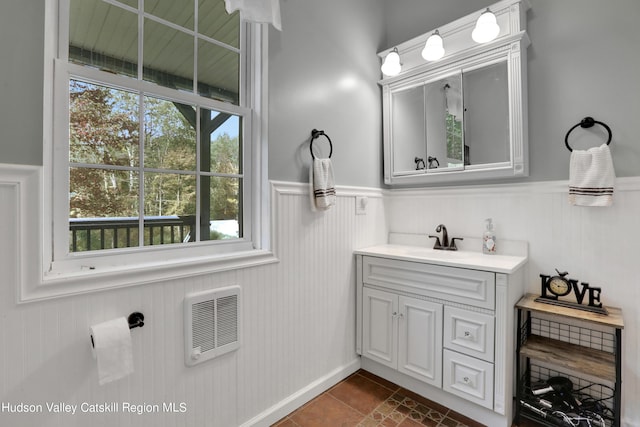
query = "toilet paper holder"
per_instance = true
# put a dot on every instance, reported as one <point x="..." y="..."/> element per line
<point x="135" y="320"/>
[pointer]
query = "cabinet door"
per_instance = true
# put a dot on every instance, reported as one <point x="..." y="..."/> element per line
<point x="379" y="322"/>
<point x="420" y="340"/>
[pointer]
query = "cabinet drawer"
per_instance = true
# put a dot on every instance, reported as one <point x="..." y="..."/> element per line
<point x="468" y="377"/>
<point x="469" y="332"/>
<point x="461" y="285"/>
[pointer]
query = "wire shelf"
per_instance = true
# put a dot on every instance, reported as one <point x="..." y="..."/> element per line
<point x="596" y="406"/>
<point x="585" y="337"/>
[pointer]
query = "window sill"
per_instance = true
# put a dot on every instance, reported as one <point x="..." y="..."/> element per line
<point x="23" y="188"/>
<point x="55" y="285"/>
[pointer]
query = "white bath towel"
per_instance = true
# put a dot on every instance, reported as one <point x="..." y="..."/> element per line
<point x="323" y="191"/>
<point x="591" y="177"/>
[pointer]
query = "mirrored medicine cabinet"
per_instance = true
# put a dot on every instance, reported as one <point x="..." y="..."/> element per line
<point x="463" y="117"/>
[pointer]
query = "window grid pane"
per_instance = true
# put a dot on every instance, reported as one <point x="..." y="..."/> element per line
<point x="179" y="12"/>
<point x="170" y="137"/>
<point x="214" y="22"/>
<point x="168" y="56"/>
<point x="104" y="36"/>
<point x="222" y="132"/>
<point x="103" y="209"/>
<point x="218" y="72"/>
<point x="103" y="125"/>
<point x="224" y="208"/>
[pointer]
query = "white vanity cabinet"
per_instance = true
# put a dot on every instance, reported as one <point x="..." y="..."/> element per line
<point x="403" y="333"/>
<point x="441" y="328"/>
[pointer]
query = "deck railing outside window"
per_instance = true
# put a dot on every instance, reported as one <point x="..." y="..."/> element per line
<point x="110" y="233"/>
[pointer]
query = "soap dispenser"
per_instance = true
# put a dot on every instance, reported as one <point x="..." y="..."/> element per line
<point x="489" y="238"/>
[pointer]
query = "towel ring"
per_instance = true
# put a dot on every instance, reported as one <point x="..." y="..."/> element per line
<point x="315" y="134"/>
<point x="585" y="123"/>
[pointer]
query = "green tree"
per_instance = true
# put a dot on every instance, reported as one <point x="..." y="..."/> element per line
<point x="103" y="131"/>
<point x="170" y="144"/>
<point x="224" y="191"/>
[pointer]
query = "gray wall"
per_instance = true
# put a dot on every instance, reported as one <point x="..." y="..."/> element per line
<point x="21" y="71"/>
<point x="323" y="74"/>
<point x="583" y="61"/>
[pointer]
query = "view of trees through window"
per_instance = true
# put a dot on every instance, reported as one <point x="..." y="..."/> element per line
<point x="453" y="126"/>
<point x="122" y="170"/>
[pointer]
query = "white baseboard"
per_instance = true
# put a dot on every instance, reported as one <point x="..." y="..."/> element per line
<point x="302" y="396"/>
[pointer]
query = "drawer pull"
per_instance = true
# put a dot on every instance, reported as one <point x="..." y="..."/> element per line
<point x="467" y="334"/>
<point x="466" y="380"/>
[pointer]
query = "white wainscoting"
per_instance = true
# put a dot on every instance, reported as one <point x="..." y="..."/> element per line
<point x="595" y="245"/>
<point x="298" y="317"/>
<point x="298" y="326"/>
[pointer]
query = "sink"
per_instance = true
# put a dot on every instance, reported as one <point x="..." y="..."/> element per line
<point x="437" y="253"/>
<point x="421" y="253"/>
<point x="429" y="253"/>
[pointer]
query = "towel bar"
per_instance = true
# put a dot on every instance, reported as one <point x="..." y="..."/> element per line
<point x="315" y="134"/>
<point x="585" y="123"/>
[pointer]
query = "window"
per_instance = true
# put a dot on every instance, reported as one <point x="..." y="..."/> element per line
<point x="156" y="147"/>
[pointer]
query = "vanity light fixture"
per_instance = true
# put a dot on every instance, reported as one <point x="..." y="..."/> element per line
<point x="433" y="48"/>
<point x="486" y="28"/>
<point x="391" y="64"/>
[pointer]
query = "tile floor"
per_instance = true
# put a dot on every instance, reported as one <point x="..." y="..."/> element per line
<point x="366" y="400"/>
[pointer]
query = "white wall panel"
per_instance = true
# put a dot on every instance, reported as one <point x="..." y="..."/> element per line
<point x="298" y="317"/>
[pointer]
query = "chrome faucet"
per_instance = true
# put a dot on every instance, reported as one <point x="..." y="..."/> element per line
<point x="445" y="245"/>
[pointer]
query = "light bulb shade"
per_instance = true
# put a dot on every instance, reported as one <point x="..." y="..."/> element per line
<point x="391" y="65"/>
<point x="433" y="48"/>
<point x="486" y="28"/>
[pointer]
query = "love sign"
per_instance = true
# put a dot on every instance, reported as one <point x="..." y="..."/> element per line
<point x="554" y="287"/>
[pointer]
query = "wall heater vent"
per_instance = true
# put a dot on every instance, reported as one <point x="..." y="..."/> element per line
<point x="212" y="324"/>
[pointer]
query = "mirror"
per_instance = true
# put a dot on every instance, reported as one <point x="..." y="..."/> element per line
<point x="462" y="117"/>
<point x="408" y="117"/>
<point x="443" y="118"/>
<point x="486" y="119"/>
<point x="428" y="121"/>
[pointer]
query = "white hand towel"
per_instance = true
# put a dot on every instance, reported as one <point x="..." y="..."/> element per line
<point x="112" y="347"/>
<point x="323" y="191"/>
<point x="257" y="10"/>
<point x="591" y="177"/>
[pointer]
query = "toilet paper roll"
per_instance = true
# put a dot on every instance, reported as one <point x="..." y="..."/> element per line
<point x="113" y="350"/>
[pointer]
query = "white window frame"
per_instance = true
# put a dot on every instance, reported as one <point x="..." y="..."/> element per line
<point x="66" y="273"/>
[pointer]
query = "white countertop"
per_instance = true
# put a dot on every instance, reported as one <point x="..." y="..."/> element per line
<point x="461" y="258"/>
